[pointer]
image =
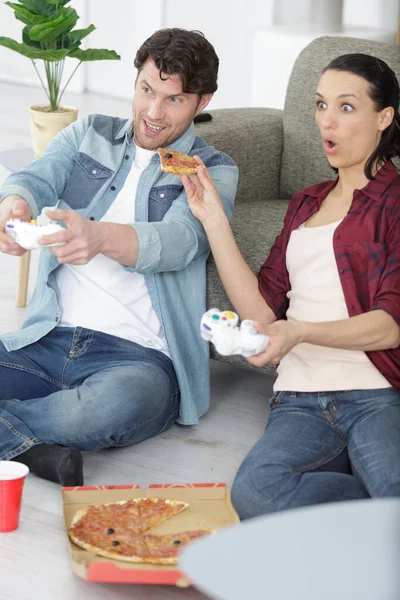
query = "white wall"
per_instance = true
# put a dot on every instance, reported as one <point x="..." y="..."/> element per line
<point x="383" y="14"/>
<point x="230" y="26"/>
<point x="124" y="30"/>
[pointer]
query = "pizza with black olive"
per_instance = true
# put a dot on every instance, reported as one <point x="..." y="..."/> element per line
<point x="177" y="162"/>
<point x="117" y="530"/>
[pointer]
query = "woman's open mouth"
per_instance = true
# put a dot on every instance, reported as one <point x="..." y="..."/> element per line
<point x="330" y="146"/>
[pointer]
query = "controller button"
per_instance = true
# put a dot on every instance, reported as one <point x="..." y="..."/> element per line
<point x="223" y="319"/>
<point x="207" y="327"/>
<point x="215" y="317"/>
<point x="230" y="314"/>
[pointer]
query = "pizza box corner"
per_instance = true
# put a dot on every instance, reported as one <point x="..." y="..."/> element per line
<point x="210" y="507"/>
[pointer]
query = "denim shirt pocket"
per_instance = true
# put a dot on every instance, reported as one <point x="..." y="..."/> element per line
<point x="87" y="178"/>
<point x="160" y="200"/>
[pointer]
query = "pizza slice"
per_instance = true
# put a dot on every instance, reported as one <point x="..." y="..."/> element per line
<point x="153" y="511"/>
<point x="131" y="517"/>
<point x="177" y="162"/>
<point x="164" y="549"/>
<point x="147" y="548"/>
<point x="111" y="517"/>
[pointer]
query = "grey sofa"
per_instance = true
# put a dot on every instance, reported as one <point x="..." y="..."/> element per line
<point x="278" y="153"/>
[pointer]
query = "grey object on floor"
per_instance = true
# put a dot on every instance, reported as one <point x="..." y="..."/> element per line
<point x="347" y="550"/>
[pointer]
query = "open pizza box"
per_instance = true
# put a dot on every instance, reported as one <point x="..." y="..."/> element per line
<point x="209" y="508"/>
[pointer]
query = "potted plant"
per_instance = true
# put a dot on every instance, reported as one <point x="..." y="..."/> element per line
<point x="49" y="36"/>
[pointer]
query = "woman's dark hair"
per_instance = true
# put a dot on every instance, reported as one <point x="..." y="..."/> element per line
<point x="384" y="91"/>
<point x="184" y="53"/>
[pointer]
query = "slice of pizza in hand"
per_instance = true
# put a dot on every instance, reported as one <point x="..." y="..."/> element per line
<point x="153" y="511"/>
<point x="177" y="162"/>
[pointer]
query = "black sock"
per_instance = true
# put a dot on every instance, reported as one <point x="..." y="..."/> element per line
<point x="55" y="463"/>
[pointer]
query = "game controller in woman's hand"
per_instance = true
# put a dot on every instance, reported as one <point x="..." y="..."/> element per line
<point x="221" y="328"/>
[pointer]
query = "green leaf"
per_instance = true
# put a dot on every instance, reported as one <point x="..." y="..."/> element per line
<point x="23" y="14"/>
<point x="33" y="53"/>
<point x="94" y="54"/>
<point x="73" y="39"/>
<point x="27" y="40"/>
<point x="30" y="5"/>
<point x="59" y="2"/>
<point x="51" y="30"/>
<point x="79" y="34"/>
<point x="43" y="7"/>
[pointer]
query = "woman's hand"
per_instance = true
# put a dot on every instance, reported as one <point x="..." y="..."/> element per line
<point x="283" y="336"/>
<point x="202" y="195"/>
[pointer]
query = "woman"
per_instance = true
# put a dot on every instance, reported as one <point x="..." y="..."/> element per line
<point x="328" y="296"/>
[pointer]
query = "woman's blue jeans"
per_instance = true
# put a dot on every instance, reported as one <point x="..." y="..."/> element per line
<point x="322" y="447"/>
<point x="84" y="389"/>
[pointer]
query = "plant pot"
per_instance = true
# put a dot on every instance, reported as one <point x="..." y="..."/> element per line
<point x="45" y="124"/>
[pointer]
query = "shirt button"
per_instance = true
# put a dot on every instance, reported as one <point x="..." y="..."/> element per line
<point x="113" y="188"/>
<point x="94" y="172"/>
<point x="342" y="271"/>
<point x="127" y="157"/>
<point x="162" y="195"/>
<point x="338" y="237"/>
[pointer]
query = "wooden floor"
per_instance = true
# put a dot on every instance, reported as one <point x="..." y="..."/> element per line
<point x="34" y="560"/>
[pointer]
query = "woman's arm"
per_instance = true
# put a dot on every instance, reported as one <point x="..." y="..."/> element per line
<point x="374" y="330"/>
<point x="239" y="281"/>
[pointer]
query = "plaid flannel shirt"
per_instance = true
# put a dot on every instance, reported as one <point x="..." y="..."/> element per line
<point x="367" y="250"/>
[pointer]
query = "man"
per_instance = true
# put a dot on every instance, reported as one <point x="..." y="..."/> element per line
<point x="109" y="353"/>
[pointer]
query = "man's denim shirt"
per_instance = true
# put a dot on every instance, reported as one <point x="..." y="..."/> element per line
<point x="83" y="169"/>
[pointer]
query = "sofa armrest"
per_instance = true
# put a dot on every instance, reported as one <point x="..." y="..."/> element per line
<point x="253" y="137"/>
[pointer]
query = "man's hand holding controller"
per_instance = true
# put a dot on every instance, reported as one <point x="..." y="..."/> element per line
<point x="12" y="207"/>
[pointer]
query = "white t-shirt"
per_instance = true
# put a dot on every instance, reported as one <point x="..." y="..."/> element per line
<point x="102" y="295"/>
<point x="316" y="295"/>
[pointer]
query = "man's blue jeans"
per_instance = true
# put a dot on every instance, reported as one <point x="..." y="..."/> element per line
<point x="84" y="389"/>
<point x="322" y="447"/>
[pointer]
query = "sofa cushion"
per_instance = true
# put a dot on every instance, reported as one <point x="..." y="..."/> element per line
<point x="255" y="227"/>
<point x="253" y="138"/>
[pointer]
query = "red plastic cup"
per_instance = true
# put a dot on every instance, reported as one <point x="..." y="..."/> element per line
<point x="12" y="477"/>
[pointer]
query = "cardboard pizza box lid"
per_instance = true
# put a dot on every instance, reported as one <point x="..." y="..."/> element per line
<point x="210" y="507"/>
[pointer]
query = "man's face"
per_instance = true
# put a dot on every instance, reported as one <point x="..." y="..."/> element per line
<point x="161" y="111"/>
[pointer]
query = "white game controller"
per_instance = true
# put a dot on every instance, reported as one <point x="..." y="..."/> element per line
<point x="221" y="328"/>
<point x="27" y="233"/>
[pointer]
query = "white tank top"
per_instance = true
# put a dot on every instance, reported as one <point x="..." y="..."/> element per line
<point x="316" y="295"/>
<point x="102" y="295"/>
